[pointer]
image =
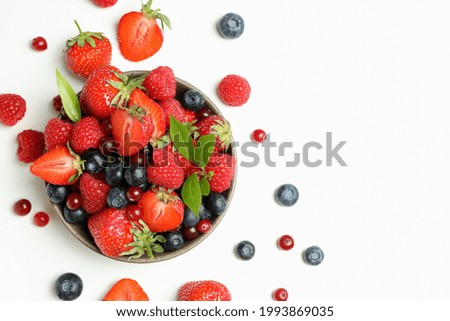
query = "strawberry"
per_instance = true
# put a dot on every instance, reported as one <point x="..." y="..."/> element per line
<point x="126" y="290"/>
<point x="57" y="133"/>
<point x="87" y="51"/>
<point x="12" y="109"/>
<point x="31" y="145"/>
<point x="86" y="134"/>
<point x="115" y="235"/>
<point x="165" y="171"/>
<point x="217" y="126"/>
<point x="234" y="90"/>
<point x="139" y="34"/>
<point x="208" y="290"/>
<point x="160" y="83"/>
<point x="223" y="167"/>
<point x="172" y="107"/>
<point x="93" y="193"/>
<point x="104" y="3"/>
<point x="162" y="209"/>
<point x="59" y="166"/>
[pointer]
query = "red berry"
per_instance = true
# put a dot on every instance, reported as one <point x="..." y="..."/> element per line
<point x="86" y="134"/>
<point x="189" y="233"/>
<point x="160" y="83"/>
<point x="204" y="113"/>
<point x="57" y="133"/>
<point x="22" y="207"/>
<point x="286" y="242"/>
<point x="107" y="145"/>
<point x="41" y="219"/>
<point x="104" y="3"/>
<point x="73" y="201"/>
<point x="172" y="107"/>
<point x="57" y="103"/>
<point x="39" y="44"/>
<point x="280" y="295"/>
<point x="134" y="212"/>
<point x="258" y="136"/>
<point x="12" y="109"/>
<point x="140" y="158"/>
<point x="203" y="226"/>
<point x="234" y="90"/>
<point x="106" y="127"/>
<point x="31" y="145"/>
<point x="134" y="193"/>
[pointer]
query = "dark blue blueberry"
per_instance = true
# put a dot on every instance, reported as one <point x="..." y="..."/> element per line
<point x="313" y="255"/>
<point x="216" y="203"/>
<point x="135" y="175"/>
<point x="114" y="174"/>
<point x="204" y="213"/>
<point x="68" y="286"/>
<point x="95" y="162"/>
<point x="117" y="197"/>
<point x="231" y="26"/>
<point x="245" y="250"/>
<point x="174" y="241"/>
<point x="189" y="218"/>
<point x="75" y="216"/>
<point x="193" y="100"/>
<point x="57" y="194"/>
<point x="286" y="195"/>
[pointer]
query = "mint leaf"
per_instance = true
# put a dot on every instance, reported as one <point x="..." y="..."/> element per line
<point x="191" y="193"/>
<point x="181" y="139"/>
<point x="204" y="149"/>
<point x="69" y="99"/>
<point x="204" y="186"/>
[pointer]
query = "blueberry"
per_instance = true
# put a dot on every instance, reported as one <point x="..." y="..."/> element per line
<point x="174" y="241"/>
<point x="231" y="26"/>
<point x="204" y="213"/>
<point x="286" y="195"/>
<point x="193" y="100"/>
<point x="95" y="162"/>
<point x="313" y="255"/>
<point x="68" y="286"/>
<point x="57" y="194"/>
<point x="190" y="219"/>
<point x="117" y="197"/>
<point x="245" y="250"/>
<point x="75" y="216"/>
<point x="135" y="175"/>
<point x="114" y="174"/>
<point x="216" y="203"/>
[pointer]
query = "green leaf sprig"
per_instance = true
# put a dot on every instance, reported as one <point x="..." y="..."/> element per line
<point x="69" y="99"/>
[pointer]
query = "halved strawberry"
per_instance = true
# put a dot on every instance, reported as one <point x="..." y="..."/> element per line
<point x="126" y="290"/>
<point x="139" y="34"/>
<point x="59" y="166"/>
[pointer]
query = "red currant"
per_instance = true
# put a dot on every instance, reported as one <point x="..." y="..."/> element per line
<point x="134" y="193"/>
<point x="133" y="212"/>
<point x="22" y="207"/>
<point x="203" y="226"/>
<point x="203" y="113"/>
<point x="39" y="44"/>
<point x="140" y="158"/>
<point x="280" y="295"/>
<point x="106" y="127"/>
<point x="286" y="242"/>
<point x="41" y="219"/>
<point x="258" y="136"/>
<point x="73" y="201"/>
<point x="57" y="103"/>
<point x="189" y="233"/>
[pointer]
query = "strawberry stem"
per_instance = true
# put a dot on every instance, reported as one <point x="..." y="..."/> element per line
<point x="144" y="242"/>
<point x="155" y="14"/>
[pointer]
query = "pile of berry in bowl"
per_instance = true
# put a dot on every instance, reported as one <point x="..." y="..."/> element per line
<point x="139" y="165"/>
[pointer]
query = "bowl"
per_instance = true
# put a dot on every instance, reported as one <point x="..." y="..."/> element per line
<point x="81" y="232"/>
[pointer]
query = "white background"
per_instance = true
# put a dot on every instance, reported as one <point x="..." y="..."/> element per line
<point x="374" y="73"/>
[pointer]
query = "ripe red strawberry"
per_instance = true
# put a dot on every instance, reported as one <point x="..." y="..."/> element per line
<point x="160" y="83"/>
<point x="162" y="210"/>
<point x="93" y="193"/>
<point x="165" y="170"/>
<point x="104" y="3"/>
<point x="86" y="134"/>
<point x="172" y="107"/>
<point x="57" y="133"/>
<point x="12" y="109"/>
<point x="139" y="98"/>
<point x="139" y="34"/>
<point x="208" y="290"/>
<point x="217" y="126"/>
<point x="126" y="290"/>
<point x="58" y="166"/>
<point x="223" y="166"/>
<point x="87" y="51"/>
<point x="234" y="90"/>
<point x="31" y="145"/>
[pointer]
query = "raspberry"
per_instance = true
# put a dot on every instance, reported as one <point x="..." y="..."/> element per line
<point x="165" y="171"/>
<point x="223" y="166"/>
<point x="161" y="83"/>
<point x="31" y="145"/>
<point x="12" y="109"/>
<point x="172" y="107"/>
<point x="57" y="133"/>
<point x="94" y="193"/>
<point x="234" y="90"/>
<point x="86" y="134"/>
<point x="104" y="3"/>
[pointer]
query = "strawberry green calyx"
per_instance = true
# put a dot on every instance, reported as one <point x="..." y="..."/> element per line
<point x="155" y="14"/>
<point x="125" y="85"/>
<point x="78" y="164"/>
<point x="223" y="131"/>
<point x="144" y="242"/>
<point x="83" y="37"/>
<point x="165" y="195"/>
